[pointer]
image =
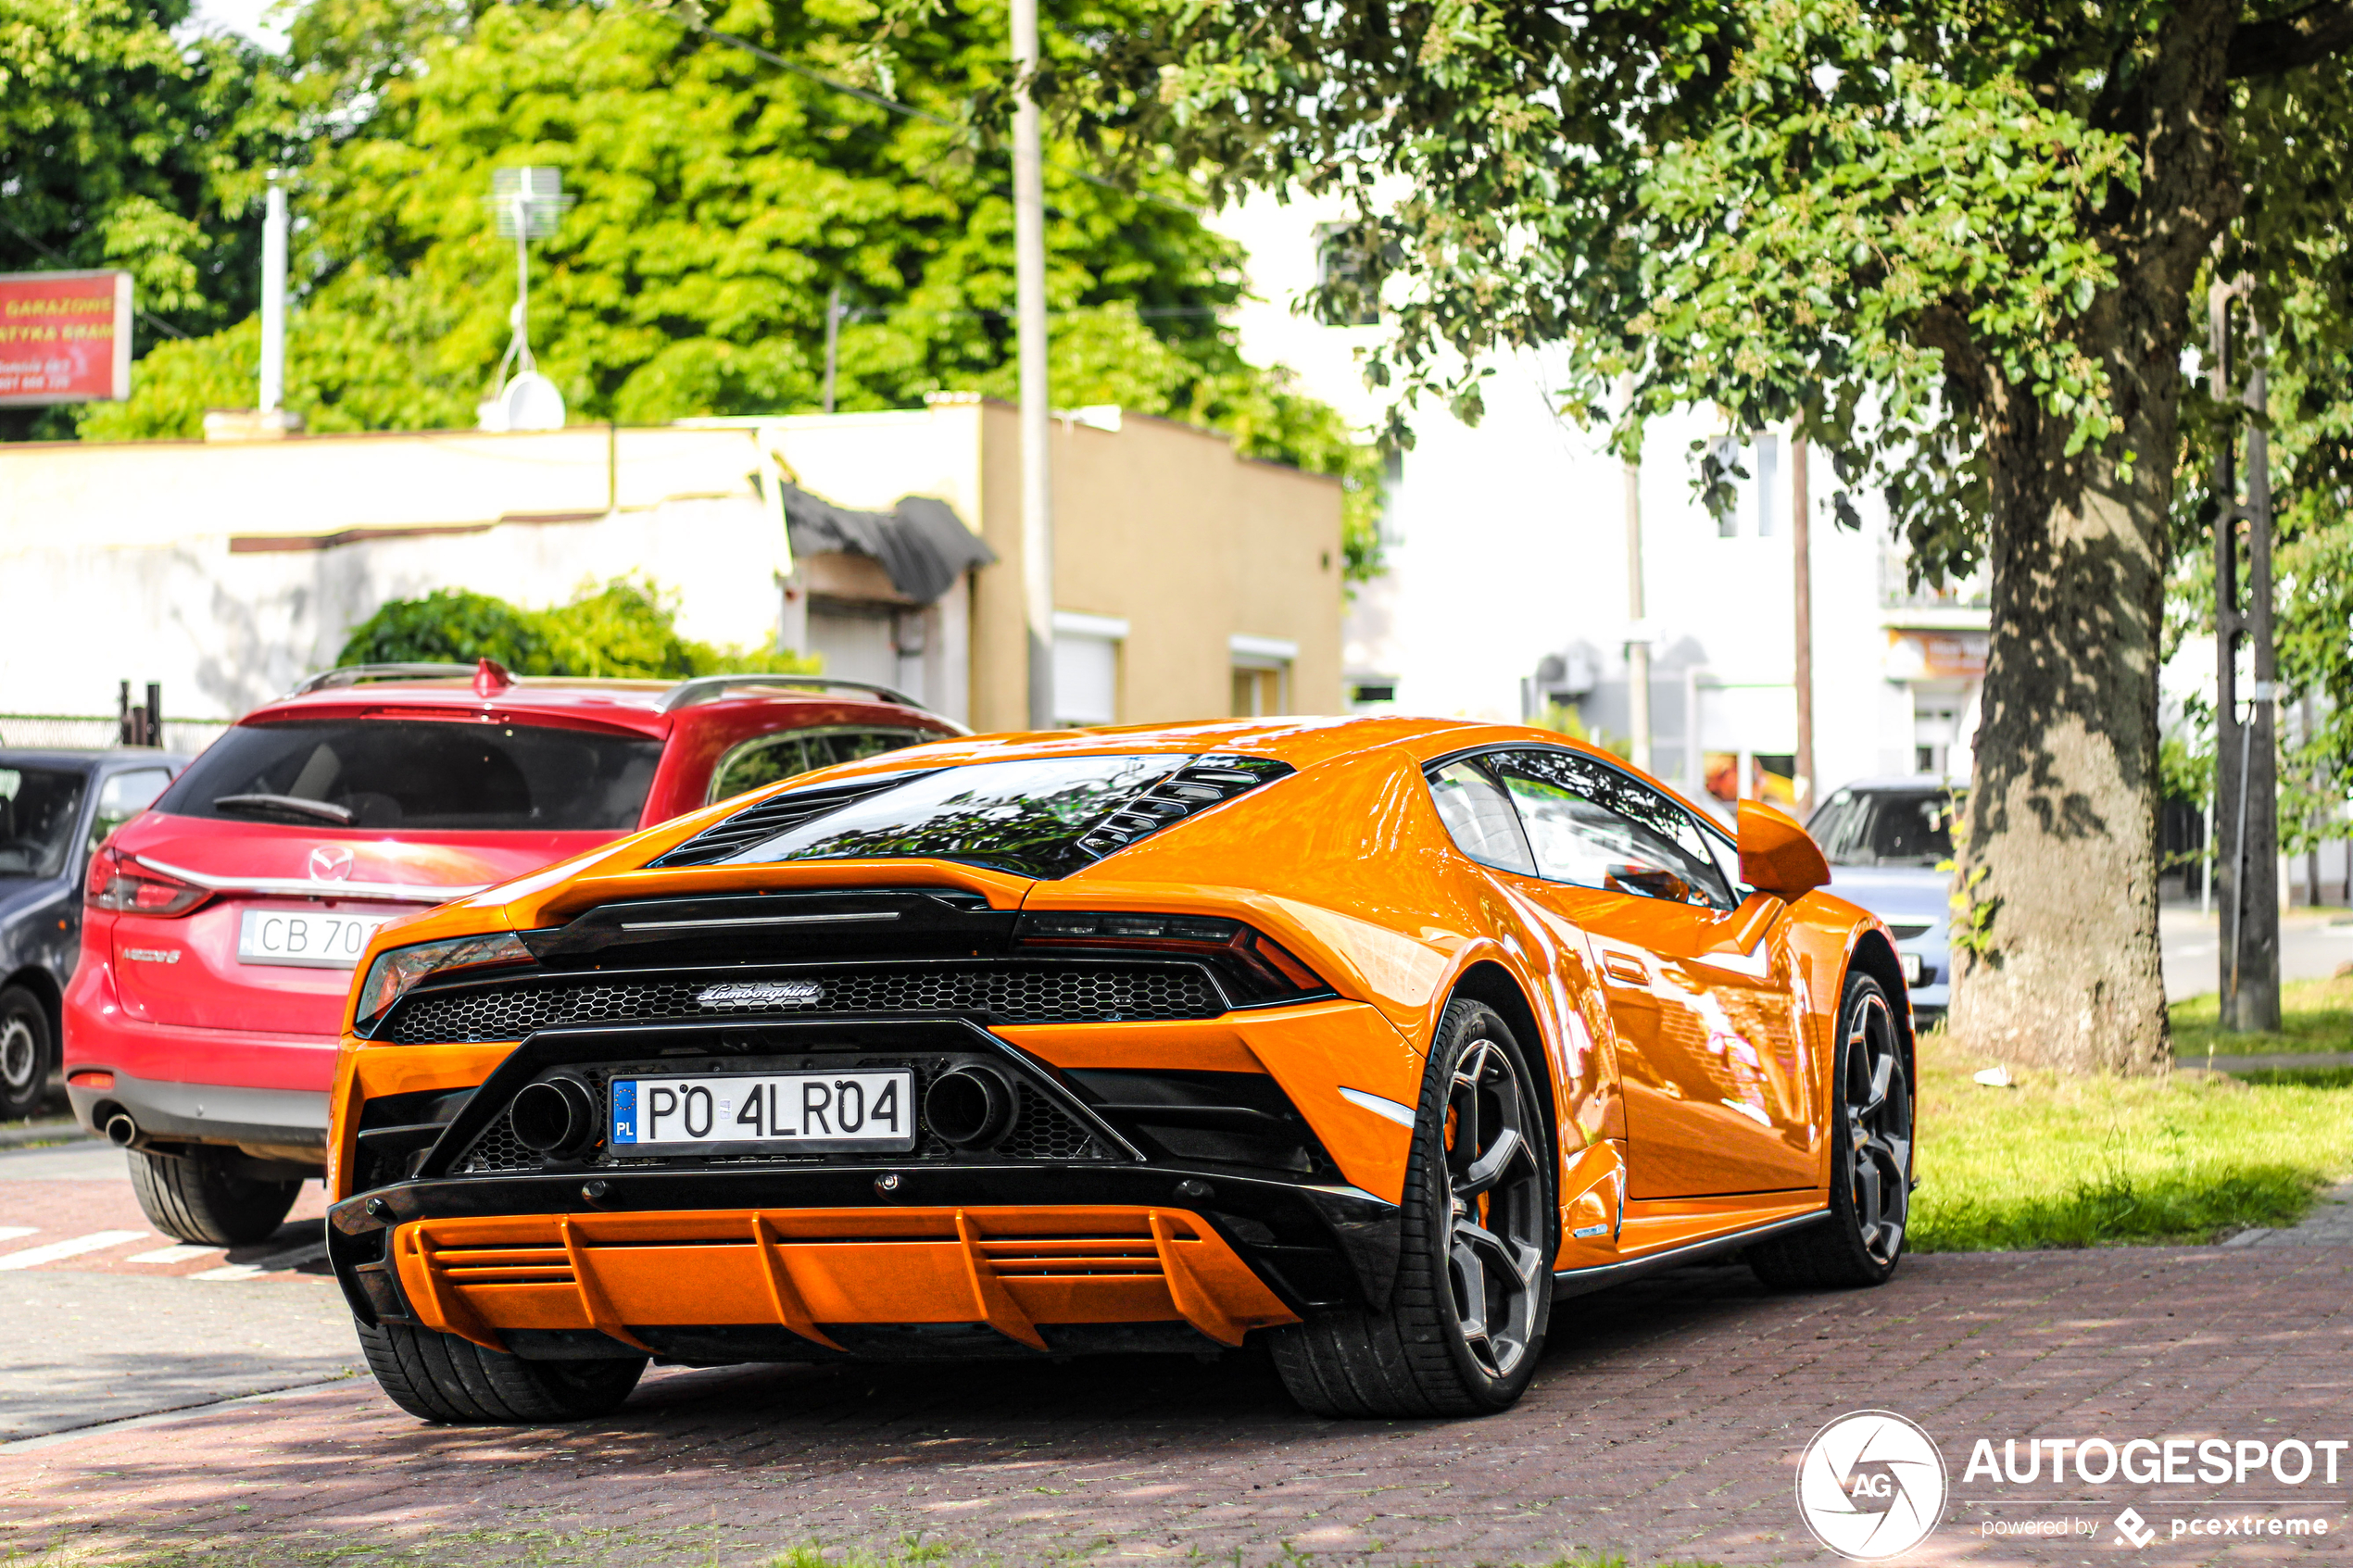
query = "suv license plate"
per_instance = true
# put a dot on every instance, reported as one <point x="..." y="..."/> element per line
<point x="845" y="1112"/>
<point x="304" y="939"/>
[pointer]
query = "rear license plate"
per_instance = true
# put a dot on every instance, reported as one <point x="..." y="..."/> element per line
<point x="304" y="939"/>
<point x="841" y="1112"/>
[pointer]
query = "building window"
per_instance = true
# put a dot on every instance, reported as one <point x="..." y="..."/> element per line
<point x="1753" y="507"/>
<point x="1261" y="675"/>
<point x="1086" y="669"/>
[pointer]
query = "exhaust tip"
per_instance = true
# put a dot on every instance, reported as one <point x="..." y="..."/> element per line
<point x="970" y="1107"/>
<point x="122" y="1131"/>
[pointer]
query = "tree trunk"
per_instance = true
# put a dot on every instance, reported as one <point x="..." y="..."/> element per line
<point x="2056" y="952"/>
<point x="2055" y="935"/>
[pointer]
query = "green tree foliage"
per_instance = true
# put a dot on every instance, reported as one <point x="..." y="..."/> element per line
<point x="625" y="627"/>
<point x="1956" y="243"/>
<point x="124" y="147"/>
<point x="720" y="199"/>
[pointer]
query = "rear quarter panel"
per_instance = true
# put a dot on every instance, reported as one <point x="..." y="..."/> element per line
<point x="1347" y="864"/>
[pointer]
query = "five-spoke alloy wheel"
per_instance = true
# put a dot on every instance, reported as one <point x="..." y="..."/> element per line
<point x="1870" y="1158"/>
<point x="1495" y="1257"/>
<point x="1464" y="1325"/>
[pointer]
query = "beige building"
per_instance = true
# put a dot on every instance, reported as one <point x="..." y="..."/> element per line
<point x="1190" y="582"/>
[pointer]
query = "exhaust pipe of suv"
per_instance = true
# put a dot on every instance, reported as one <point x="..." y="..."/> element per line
<point x="122" y="1131"/>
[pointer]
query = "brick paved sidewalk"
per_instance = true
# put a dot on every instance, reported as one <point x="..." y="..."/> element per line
<point x="1666" y="1425"/>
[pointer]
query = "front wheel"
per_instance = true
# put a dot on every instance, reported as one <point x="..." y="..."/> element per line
<point x="1870" y="1158"/>
<point x="27" y="1048"/>
<point x="206" y="1196"/>
<point x="442" y="1378"/>
<point x="1466" y="1320"/>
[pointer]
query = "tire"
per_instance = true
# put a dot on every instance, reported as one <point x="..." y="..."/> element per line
<point x="28" y="1051"/>
<point x="204" y="1197"/>
<point x="454" y="1382"/>
<point x="1871" y="1120"/>
<point x="1465" y="1324"/>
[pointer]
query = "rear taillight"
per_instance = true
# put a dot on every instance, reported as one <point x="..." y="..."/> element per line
<point x="1253" y="963"/>
<point x="122" y="885"/>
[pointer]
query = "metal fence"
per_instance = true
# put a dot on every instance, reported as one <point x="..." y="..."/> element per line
<point x="94" y="730"/>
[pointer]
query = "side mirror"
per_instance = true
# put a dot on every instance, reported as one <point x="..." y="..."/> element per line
<point x="1775" y="855"/>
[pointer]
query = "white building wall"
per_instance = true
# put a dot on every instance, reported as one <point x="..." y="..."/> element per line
<point x="216" y="571"/>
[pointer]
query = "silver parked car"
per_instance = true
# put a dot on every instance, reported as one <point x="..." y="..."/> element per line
<point x="1886" y="840"/>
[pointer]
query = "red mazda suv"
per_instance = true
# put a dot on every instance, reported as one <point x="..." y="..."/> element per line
<point x="221" y="926"/>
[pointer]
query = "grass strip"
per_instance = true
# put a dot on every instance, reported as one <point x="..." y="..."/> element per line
<point x="2057" y="1161"/>
<point x="2315" y="1015"/>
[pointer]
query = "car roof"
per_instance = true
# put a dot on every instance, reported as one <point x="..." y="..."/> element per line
<point x="637" y="706"/>
<point x="108" y="758"/>
<point x="1301" y="742"/>
<point x="1905" y="782"/>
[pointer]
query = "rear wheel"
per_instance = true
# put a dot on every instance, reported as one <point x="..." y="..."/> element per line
<point x="440" y="1377"/>
<point x="1466" y="1320"/>
<point x="28" y="1049"/>
<point x="206" y="1196"/>
<point x="1871" y="1160"/>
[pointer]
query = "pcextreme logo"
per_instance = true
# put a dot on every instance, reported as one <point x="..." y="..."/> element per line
<point x="1871" y="1486"/>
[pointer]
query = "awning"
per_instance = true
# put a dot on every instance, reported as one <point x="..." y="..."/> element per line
<point x="921" y="542"/>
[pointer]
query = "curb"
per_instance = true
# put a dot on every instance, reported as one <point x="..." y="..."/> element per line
<point x="64" y="1130"/>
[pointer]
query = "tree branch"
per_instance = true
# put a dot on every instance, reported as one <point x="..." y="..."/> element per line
<point x="2301" y="38"/>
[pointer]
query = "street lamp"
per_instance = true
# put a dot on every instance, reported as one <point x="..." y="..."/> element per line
<point x="527" y="204"/>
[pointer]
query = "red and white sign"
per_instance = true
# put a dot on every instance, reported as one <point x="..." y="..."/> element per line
<point x="65" y="337"/>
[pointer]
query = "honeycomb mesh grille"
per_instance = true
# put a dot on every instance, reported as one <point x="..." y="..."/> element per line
<point x="1010" y="992"/>
<point x="1041" y="1129"/>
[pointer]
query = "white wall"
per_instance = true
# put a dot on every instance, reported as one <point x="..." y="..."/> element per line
<point x="116" y="560"/>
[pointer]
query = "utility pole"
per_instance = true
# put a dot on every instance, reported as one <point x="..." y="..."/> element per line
<point x="1638" y="646"/>
<point x="833" y="341"/>
<point x="1030" y="287"/>
<point x="273" y="298"/>
<point x="1801" y="529"/>
<point x="2245" y="759"/>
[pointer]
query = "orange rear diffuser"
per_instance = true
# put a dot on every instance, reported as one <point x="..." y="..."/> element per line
<point x="807" y="1270"/>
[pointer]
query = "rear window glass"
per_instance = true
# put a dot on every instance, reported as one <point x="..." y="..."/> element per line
<point x="39" y="808"/>
<point x="1044" y="816"/>
<point x="1910" y="828"/>
<point x="407" y="773"/>
<point x="763" y="762"/>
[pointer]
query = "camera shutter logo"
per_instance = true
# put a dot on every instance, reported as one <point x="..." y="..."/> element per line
<point x="1871" y="1486"/>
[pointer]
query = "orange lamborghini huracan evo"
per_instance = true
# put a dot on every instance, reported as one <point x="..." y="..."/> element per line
<point x="1372" y="1037"/>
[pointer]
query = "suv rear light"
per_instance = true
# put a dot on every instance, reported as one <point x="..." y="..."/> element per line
<point x="1253" y="963"/>
<point x="120" y="884"/>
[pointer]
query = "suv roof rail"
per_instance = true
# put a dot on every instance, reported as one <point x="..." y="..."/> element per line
<point x="704" y="689"/>
<point x="356" y="674"/>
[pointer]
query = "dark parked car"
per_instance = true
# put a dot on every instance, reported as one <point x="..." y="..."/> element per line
<point x="55" y="808"/>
